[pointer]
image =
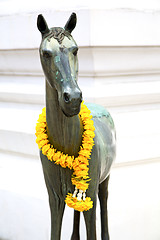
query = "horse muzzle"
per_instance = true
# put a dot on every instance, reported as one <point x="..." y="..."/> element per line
<point x="71" y="102"/>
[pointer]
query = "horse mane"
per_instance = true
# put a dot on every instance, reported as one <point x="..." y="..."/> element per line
<point x="57" y="33"/>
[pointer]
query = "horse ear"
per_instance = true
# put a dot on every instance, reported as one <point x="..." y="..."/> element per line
<point x="42" y="24"/>
<point x="71" y="23"/>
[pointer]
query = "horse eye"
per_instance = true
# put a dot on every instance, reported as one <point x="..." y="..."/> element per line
<point x="75" y="52"/>
<point x="47" y="54"/>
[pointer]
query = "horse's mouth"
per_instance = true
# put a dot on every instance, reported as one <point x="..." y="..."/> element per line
<point x="71" y="111"/>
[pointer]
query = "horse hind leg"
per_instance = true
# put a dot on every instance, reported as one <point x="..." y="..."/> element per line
<point x="90" y="221"/>
<point x="103" y="196"/>
<point x="75" y="233"/>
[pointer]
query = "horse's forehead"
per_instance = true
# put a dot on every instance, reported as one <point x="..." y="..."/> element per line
<point x="53" y="44"/>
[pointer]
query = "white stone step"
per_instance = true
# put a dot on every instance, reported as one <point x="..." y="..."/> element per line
<point x="138" y="131"/>
<point x="17" y="128"/>
<point x="24" y="200"/>
<point x="121" y="91"/>
<point x="22" y="89"/>
<point x="106" y="91"/>
<point x="130" y="30"/>
<point x="134" y="200"/>
<point x="93" y="61"/>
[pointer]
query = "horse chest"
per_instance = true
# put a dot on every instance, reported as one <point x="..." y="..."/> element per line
<point x="57" y="179"/>
<point x="65" y="179"/>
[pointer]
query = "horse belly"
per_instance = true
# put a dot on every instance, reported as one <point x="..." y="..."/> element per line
<point x="105" y="145"/>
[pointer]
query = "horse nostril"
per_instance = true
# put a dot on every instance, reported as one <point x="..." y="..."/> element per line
<point x="66" y="97"/>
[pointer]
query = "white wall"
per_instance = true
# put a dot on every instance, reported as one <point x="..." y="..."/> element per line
<point x="119" y="68"/>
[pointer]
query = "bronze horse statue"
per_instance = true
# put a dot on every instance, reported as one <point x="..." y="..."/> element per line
<point x="58" y="54"/>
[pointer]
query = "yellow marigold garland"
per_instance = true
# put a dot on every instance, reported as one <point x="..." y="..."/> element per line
<point x="80" y="177"/>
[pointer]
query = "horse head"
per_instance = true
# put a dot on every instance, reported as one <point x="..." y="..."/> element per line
<point x="58" y="54"/>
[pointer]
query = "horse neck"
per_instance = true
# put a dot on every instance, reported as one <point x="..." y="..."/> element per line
<point x="65" y="133"/>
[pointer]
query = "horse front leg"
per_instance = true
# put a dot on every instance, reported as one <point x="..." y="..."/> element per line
<point x="90" y="221"/>
<point x="57" y="206"/>
<point x="75" y="233"/>
<point x="103" y="197"/>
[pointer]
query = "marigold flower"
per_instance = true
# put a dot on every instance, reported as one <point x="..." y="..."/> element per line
<point x="50" y="154"/>
<point x="80" y="173"/>
<point x="42" y="136"/>
<point x="45" y="149"/>
<point x="79" y="164"/>
<point x="79" y="205"/>
<point x="88" y="140"/>
<point x="87" y="146"/>
<point x="69" y="161"/>
<point x="80" y="183"/>
<point x="41" y="118"/>
<point x="42" y="143"/>
<point x="75" y="162"/>
<point x="57" y="156"/>
<point x="83" y="159"/>
<point x="84" y="152"/>
<point x="41" y="125"/>
<point x="63" y="161"/>
<point x="89" y="133"/>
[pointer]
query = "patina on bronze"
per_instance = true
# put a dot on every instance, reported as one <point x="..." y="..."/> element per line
<point x="58" y="54"/>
